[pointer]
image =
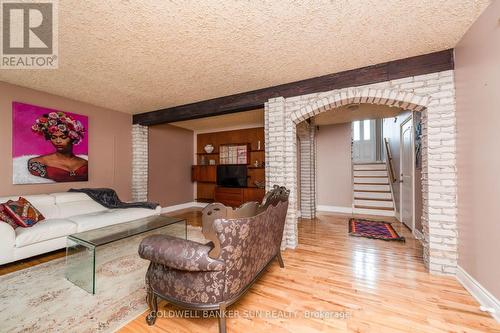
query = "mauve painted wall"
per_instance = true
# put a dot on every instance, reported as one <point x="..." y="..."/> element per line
<point x="110" y="143"/>
<point x="334" y="165"/>
<point x="477" y="79"/>
<point x="171" y="151"/>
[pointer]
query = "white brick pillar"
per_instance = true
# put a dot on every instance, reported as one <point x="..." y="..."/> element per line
<point x="306" y="131"/>
<point x="281" y="162"/>
<point x="439" y="177"/>
<point x="139" y="162"/>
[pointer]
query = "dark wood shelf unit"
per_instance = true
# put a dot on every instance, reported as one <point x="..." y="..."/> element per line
<point x="236" y="196"/>
<point x="206" y="175"/>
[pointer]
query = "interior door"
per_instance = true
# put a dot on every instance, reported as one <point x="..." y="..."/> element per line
<point x="364" y="141"/>
<point x="406" y="179"/>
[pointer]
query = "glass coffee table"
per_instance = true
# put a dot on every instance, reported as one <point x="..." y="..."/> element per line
<point x="83" y="249"/>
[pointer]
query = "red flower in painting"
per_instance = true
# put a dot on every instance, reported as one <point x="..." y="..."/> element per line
<point x="53" y="122"/>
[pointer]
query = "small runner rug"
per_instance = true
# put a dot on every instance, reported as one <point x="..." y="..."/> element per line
<point x="373" y="229"/>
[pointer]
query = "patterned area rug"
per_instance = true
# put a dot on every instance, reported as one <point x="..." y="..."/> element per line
<point x="373" y="229"/>
<point x="40" y="299"/>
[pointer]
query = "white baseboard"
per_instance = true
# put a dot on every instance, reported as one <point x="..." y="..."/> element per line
<point x="183" y="206"/>
<point x="483" y="296"/>
<point x="334" y="209"/>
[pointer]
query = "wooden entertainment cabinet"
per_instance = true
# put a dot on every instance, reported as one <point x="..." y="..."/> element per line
<point x="236" y="196"/>
<point x="205" y="175"/>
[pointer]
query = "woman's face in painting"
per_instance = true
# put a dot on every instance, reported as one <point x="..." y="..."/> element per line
<point x="61" y="141"/>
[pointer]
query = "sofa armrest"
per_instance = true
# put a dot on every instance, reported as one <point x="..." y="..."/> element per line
<point x="7" y="243"/>
<point x="179" y="254"/>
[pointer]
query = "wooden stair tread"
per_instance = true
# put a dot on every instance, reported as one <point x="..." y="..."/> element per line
<point x="373" y="199"/>
<point x="368" y="163"/>
<point x="372" y="191"/>
<point x="371" y="183"/>
<point x="370" y="176"/>
<point x="373" y="208"/>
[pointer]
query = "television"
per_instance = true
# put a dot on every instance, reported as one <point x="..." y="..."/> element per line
<point x="232" y="175"/>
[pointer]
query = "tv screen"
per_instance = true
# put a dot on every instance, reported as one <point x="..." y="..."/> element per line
<point x="232" y="175"/>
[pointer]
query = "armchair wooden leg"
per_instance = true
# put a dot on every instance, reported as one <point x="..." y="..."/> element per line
<point x="222" y="318"/>
<point x="280" y="260"/>
<point x="152" y="301"/>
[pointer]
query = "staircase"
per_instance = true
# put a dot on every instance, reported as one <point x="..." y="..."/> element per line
<point x="371" y="189"/>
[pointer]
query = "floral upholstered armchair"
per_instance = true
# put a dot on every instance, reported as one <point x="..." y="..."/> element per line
<point x="212" y="276"/>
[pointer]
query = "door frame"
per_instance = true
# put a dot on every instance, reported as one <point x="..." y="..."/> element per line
<point x="410" y="117"/>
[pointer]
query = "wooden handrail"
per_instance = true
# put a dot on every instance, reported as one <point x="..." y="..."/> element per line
<point x="389" y="160"/>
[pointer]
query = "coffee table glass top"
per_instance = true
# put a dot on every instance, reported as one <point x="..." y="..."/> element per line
<point x="87" y="251"/>
<point x="113" y="233"/>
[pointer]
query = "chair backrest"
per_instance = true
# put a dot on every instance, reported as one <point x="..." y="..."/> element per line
<point x="247" y="244"/>
<point x="218" y="211"/>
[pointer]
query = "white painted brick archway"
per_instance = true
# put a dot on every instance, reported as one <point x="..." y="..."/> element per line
<point x="433" y="95"/>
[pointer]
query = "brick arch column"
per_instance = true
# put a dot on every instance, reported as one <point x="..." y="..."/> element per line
<point x="433" y="95"/>
<point x="306" y="185"/>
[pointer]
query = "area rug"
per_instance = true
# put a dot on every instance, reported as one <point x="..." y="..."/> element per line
<point x="373" y="229"/>
<point x="40" y="299"/>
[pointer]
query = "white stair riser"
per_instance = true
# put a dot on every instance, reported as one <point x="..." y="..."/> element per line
<point x="371" y="180"/>
<point x="373" y="195"/>
<point x="373" y="212"/>
<point x="369" y="167"/>
<point x="372" y="187"/>
<point x="373" y="203"/>
<point x="370" y="173"/>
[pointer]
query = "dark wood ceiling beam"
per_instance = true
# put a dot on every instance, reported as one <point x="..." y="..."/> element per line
<point x="419" y="65"/>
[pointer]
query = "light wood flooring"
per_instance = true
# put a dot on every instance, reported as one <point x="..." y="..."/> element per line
<point x="355" y="284"/>
<point x="378" y="286"/>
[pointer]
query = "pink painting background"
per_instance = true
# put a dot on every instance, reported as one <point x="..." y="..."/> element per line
<point x="25" y="142"/>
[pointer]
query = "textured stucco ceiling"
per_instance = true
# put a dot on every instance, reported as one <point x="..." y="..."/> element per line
<point x="137" y="56"/>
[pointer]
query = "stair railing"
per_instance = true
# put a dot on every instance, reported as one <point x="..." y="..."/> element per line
<point x="388" y="161"/>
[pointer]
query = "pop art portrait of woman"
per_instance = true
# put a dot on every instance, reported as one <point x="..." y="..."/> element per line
<point x="48" y="145"/>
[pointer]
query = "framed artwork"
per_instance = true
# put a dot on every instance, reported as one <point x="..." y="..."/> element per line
<point x="233" y="154"/>
<point x="48" y="146"/>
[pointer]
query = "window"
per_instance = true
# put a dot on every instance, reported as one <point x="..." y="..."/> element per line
<point x="366" y="130"/>
<point x="356" y="131"/>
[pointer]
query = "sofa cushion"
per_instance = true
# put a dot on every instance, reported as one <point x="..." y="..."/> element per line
<point x="23" y="212"/>
<point x="72" y="203"/>
<point x="43" y="231"/>
<point x="109" y="217"/>
<point x="43" y="203"/>
<point x="129" y="214"/>
<point x="79" y="208"/>
<point x="65" y="197"/>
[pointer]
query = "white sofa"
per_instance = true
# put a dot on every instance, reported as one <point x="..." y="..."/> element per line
<point x="65" y="214"/>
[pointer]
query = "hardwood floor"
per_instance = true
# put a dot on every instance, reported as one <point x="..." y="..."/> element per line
<point x="355" y="284"/>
